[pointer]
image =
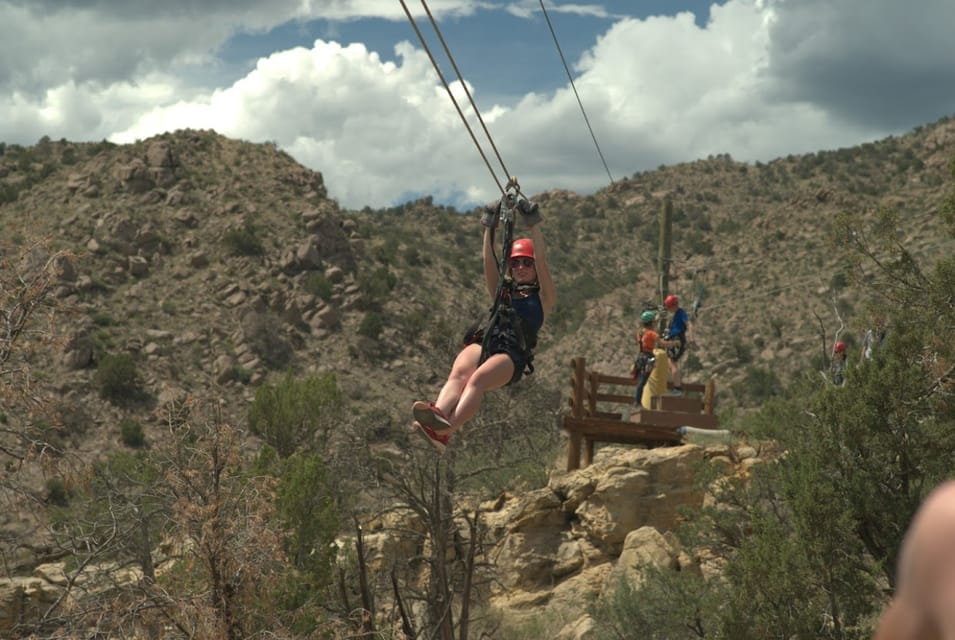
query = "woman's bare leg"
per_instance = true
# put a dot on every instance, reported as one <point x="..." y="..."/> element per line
<point x="465" y="364"/>
<point x="494" y="373"/>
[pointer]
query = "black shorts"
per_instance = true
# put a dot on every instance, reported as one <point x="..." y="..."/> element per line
<point x="505" y="340"/>
<point x="674" y="353"/>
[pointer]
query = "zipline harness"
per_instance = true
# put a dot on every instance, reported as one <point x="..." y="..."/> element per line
<point x="502" y="314"/>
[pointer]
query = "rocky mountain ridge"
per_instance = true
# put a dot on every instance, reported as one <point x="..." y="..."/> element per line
<point x="218" y="263"/>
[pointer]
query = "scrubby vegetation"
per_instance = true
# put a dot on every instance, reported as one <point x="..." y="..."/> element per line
<point x="231" y="497"/>
<point x="808" y="546"/>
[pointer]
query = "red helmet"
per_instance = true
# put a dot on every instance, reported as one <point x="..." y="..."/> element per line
<point x="672" y="302"/>
<point x="839" y="348"/>
<point x="522" y="248"/>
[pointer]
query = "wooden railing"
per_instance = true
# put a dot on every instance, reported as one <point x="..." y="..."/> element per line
<point x="591" y="420"/>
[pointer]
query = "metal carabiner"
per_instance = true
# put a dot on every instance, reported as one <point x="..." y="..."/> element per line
<point x="510" y="200"/>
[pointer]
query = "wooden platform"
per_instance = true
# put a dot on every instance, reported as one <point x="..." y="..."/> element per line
<point x="598" y="417"/>
<point x="686" y="404"/>
<point x="651" y="418"/>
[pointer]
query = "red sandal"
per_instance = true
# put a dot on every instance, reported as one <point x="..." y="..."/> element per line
<point x="429" y="415"/>
<point x="439" y="442"/>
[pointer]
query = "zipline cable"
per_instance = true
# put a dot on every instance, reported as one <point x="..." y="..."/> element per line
<point x="574" y="87"/>
<point x="447" y="88"/>
<point x="464" y="86"/>
<point x="766" y="292"/>
<point x="512" y="197"/>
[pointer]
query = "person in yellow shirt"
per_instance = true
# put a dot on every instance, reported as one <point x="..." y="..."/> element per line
<point x="657" y="380"/>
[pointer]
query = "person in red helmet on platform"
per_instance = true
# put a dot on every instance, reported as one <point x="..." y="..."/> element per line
<point x="839" y="357"/>
<point x="681" y="332"/>
<point x="499" y="355"/>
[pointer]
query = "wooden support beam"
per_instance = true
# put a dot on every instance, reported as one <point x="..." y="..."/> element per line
<point x="708" y="395"/>
<point x="677" y="419"/>
<point x="577" y="386"/>
<point x="573" y="450"/>
<point x="609" y="397"/>
<point x="678" y="403"/>
<point x="603" y="428"/>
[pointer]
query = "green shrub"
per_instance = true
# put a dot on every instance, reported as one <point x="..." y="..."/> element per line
<point x="318" y="285"/>
<point x="379" y="283"/>
<point x="761" y="384"/>
<point x="388" y="251"/>
<point x="839" y="281"/>
<point x="103" y="319"/>
<point x="413" y="257"/>
<point x="242" y="374"/>
<point x="245" y="240"/>
<point x="56" y="493"/>
<point x="699" y="244"/>
<point x="729" y="226"/>
<point x="117" y="378"/>
<point x="668" y="605"/>
<point x="777" y="326"/>
<point x="296" y="414"/>
<point x="742" y="350"/>
<point x="131" y="433"/>
<point x="371" y="325"/>
<point x="265" y="336"/>
<point x="307" y="505"/>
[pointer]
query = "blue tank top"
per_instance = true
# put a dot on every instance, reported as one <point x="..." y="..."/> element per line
<point x="530" y="310"/>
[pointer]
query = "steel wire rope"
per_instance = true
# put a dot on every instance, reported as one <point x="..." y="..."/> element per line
<point x="447" y="88"/>
<point x="716" y="262"/>
<point x="764" y="293"/>
<point x="574" y="87"/>
<point x="464" y="86"/>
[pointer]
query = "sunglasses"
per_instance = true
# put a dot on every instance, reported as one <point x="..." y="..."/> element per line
<point x="522" y="262"/>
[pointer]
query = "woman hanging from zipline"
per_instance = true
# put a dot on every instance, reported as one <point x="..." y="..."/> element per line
<point x="522" y="295"/>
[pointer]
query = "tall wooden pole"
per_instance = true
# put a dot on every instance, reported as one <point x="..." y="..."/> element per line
<point x="663" y="257"/>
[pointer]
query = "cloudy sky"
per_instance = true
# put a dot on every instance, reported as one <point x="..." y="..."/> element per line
<point x="346" y="87"/>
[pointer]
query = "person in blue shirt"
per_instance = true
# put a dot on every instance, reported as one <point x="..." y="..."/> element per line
<point x="680" y="331"/>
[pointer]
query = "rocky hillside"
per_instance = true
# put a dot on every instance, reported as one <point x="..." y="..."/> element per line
<point x="219" y="264"/>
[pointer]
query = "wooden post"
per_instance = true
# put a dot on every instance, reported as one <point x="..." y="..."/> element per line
<point x="577" y="392"/>
<point x="588" y="451"/>
<point x="663" y="255"/>
<point x="573" y="451"/>
<point x="592" y="384"/>
<point x="708" y="394"/>
<point x="579" y="366"/>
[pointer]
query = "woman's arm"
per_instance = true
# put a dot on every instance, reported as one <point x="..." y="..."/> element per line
<point x="548" y="293"/>
<point x="490" y="268"/>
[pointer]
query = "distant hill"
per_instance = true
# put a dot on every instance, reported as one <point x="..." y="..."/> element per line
<point x="219" y="264"/>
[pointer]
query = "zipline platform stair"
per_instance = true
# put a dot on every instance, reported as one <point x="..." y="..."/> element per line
<point x="590" y="419"/>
